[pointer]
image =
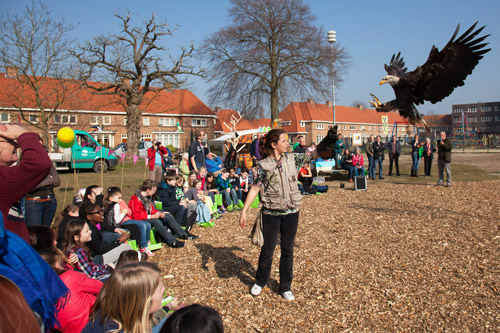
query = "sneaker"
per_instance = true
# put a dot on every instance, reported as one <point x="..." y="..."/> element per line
<point x="176" y="244"/>
<point x="438" y="184"/>
<point x="288" y="296"/>
<point x="147" y="252"/>
<point x="221" y="212"/>
<point x="447" y="185"/>
<point x="229" y="208"/>
<point x="381" y="178"/>
<point x="256" y="290"/>
<point x="241" y="204"/>
<point x="189" y="236"/>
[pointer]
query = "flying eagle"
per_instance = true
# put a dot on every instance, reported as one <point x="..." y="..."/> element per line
<point x="436" y="79"/>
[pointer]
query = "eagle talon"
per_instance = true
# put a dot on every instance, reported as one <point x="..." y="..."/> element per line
<point x="375" y="103"/>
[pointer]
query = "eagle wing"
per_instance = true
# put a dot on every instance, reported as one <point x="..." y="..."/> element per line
<point x="447" y="69"/>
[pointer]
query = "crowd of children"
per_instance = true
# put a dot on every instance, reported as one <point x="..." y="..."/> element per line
<point x="102" y="248"/>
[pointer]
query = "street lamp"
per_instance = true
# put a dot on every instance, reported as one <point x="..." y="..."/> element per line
<point x="332" y="38"/>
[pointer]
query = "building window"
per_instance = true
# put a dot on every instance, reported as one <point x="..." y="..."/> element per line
<point x="497" y="118"/>
<point x="485" y="118"/>
<point x="302" y="124"/>
<point x="320" y="126"/>
<point x="362" y="128"/>
<point x="472" y="119"/>
<point x="124" y="138"/>
<point x="471" y="109"/>
<point x="199" y="122"/>
<point x="166" y="122"/>
<point x="459" y="109"/>
<point x="319" y="138"/>
<point x="60" y="119"/>
<point x="105" y="140"/>
<point x="485" y="108"/>
<point x="125" y="120"/>
<point x="146" y="137"/>
<point x="344" y="127"/>
<point x="100" y="120"/>
<point x="352" y="127"/>
<point x="286" y="123"/>
<point x="4" y="118"/>
<point x="145" y="121"/>
<point x="169" y="139"/>
<point x="33" y="118"/>
<point x="496" y="108"/>
<point x="456" y="119"/>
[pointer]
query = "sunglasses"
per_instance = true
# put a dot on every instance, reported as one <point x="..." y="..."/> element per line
<point x="12" y="142"/>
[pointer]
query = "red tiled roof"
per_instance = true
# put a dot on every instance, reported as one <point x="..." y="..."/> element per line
<point x="243" y="124"/>
<point x="179" y="101"/>
<point x="438" y="120"/>
<point x="306" y="111"/>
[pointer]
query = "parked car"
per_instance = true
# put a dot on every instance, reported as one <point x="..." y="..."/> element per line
<point x="143" y="147"/>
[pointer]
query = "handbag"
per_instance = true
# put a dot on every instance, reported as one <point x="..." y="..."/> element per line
<point x="257" y="235"/>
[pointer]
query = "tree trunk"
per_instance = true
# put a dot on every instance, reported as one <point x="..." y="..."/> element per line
<point x="275" y="111"/>
<point x="133" y="129"/>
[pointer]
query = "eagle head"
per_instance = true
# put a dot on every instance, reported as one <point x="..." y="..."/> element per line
<point x="391" y="79"/>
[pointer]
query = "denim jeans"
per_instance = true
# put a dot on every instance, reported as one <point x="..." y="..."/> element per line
<point x="178" y="211"/>
<point x="172" y="224"/>
<point x="231" y="197"/>
<point x="350" y="171"/>
<point x="109" y="236"/>
<point x="415" y="161"/>
<point x="40" y="213"/>
<point x="145" y="231"/>
<point x="165" y="236"/>
<point x="380" y="162"/>
<point x="371" y="167"/>
<point x="272" y="225"/>
<point x="359" y="172"/>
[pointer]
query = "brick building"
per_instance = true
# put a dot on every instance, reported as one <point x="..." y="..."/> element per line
<point x="483" y="118"/>
<point x="82" y="110"/>
<point x="312" y="120"/>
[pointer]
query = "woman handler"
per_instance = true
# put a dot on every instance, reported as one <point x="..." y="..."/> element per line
<point x="277" y="183"/>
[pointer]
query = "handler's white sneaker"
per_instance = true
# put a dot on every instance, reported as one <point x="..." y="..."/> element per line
<point x="288" y="296"/>
<point x="256" y="290"/>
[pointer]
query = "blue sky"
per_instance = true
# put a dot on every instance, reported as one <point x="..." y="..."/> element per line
<point x="371" y="31"/>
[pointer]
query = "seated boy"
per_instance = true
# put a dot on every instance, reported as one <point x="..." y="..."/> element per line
<point x="229" y="194"/>
<point x="167" y="192"/>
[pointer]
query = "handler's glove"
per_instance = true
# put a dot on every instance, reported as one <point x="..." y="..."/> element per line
<point x="326" y="148"/>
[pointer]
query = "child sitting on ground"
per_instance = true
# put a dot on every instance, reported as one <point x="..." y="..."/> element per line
<point x="128" y="300"/>
<point x="244" y="184"/>
<point x="202" y="210"/>
<point x="77" y="234"/>
<point x="230" y="196"/>
<point x="74" y="315"/>
<point x="114" y="216"/>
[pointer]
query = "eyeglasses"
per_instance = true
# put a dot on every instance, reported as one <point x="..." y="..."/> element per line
<point x="12" y="142"/>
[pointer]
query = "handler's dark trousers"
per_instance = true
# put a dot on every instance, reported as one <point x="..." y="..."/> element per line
<point x="286" y="225"/>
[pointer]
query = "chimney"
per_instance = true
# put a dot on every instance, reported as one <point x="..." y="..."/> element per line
<point x="310" y="101"/>
<point x="11" y="71"/>
<point x="359" y="106"/>
<point x="329" y="104"/>
<point x="217" y="109"/>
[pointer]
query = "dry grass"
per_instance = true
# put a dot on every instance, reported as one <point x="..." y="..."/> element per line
<point x="403" y="255"/>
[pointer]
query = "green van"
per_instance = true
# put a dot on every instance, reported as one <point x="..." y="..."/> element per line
<point x="86" y="153"/>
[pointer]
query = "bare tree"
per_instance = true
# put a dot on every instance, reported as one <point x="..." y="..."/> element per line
<point x="131" y="63"/>
<point x="270" y="54"/>
<point x="37" y="50"/>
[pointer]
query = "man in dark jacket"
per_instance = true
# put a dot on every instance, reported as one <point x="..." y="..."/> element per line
<point x="444" y="147"/>
<point x="300" y="147"/>
<point x="369" y="154"/>
<point x="254" y="149"/>
<point x="378" y="156"/>
<point x="394" y="148"/>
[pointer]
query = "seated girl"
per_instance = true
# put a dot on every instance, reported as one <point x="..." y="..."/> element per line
<point x="229" y="194"/>
<point x="203" y="213"/>
<point x="194" y="318"/>
<point x="128" y="300"/>
<point x="70" y="212"/>
<point x="83" y="292"/>
<point x="305" y="177"/>
<point x="357" y="162"/>
<point x="102" y="251"/>
<point x="77" y="234"/>
<point x="347" y="164"/>
<point x="115" y="215"/>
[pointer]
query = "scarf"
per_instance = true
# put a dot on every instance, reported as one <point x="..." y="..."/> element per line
<point x="42" y="288"/>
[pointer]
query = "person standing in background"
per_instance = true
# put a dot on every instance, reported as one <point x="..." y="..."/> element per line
<point x="156" y="153"/>
<point x="394" y="148"/>
<point x="254" y="149"/>
<point x="369" y="154"/>
<point x="429" y="150"/>
<point x="444" y="159"/>
<point x="197" y="153"/>
<point x="378" y="156"/>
